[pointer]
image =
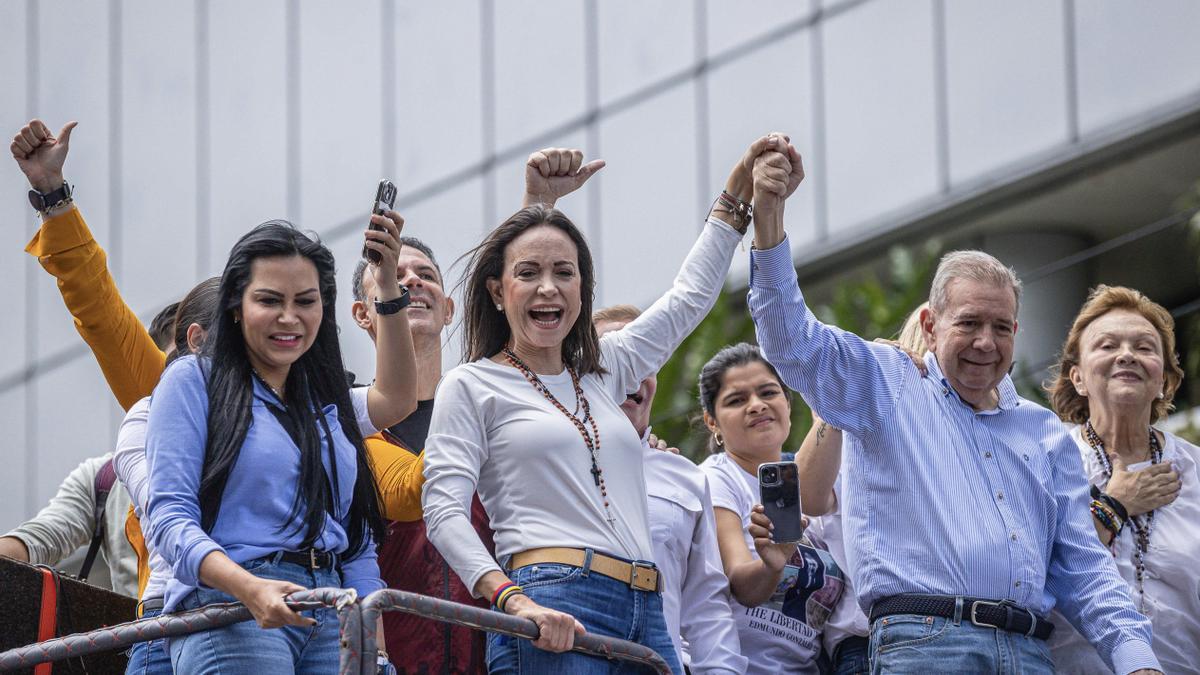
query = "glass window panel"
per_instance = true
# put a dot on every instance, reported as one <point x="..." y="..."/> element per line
<point x="1132" y="57"/>
<point x="650" y="212"/>
<point x="538" y="67"/>
<point x="438" y="92"/>
<point x="341" y="111"/>
<point x="879" y="88"/>
<point x="642" y="42"/>
<point x="1006" y="83"/>
<point x="248" y="121"/>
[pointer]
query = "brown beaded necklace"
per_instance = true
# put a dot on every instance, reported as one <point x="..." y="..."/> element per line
<point x="592" y="440"/>
<point x="1141" y="529"/>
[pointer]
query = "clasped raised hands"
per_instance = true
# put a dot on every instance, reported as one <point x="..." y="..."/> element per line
<point x="553" y="173"/>
<point x="777" y="172"/>
<point x="40" y="154"/>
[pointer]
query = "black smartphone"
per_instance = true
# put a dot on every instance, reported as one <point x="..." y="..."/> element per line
<point x="779" y="488"/>
<point x="385" y="199"/>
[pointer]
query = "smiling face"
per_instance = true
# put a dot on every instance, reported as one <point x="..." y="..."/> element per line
<point x="539" y="289"/>
<point x="973" y="337"/>
<point x="280" y="314"/>
<point x="430" y="310"/>
<point x="1120" y="363"/>
<point x="752" y="412"/>
<point x="636" y="406"/>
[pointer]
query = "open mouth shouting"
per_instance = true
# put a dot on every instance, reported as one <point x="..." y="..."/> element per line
<point x="546" y="317"/>
<point x="418" y="304"/>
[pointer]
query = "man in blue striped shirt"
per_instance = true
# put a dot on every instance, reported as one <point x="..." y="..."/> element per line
<point x="966" y="506"/>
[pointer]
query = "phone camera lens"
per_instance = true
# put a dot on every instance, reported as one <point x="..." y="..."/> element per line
<point x="771" y="474"/>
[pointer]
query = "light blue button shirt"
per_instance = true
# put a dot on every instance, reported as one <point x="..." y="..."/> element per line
<point x="255" y="517"/>
<point x="943" y="499"/>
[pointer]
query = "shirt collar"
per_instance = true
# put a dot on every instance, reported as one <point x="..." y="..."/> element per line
<point x="1009" y="398"/>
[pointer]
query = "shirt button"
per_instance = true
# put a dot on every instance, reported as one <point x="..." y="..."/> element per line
<point x="1014" y="536"/>
<point x="1000" y="496"/>
<point x="1016" y="584"/>
<point x="1026" y="457"/>
<point x="988" y="455"/>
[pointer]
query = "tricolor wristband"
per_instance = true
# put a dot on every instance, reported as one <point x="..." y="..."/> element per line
<point x="503" y="587"/>
<point x="507" y="595"/>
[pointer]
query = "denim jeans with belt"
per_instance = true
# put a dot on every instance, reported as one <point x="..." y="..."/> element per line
<point x="149" y="658"/>
<point x="246" y="648"/>
<point x="603" y="605"/>
<point x="919" y="644"/>
<point x="850" y="657"/>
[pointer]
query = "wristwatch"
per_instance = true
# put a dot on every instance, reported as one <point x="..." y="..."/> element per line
<point x="44" y="201"/>
<point x="393" y="306"/>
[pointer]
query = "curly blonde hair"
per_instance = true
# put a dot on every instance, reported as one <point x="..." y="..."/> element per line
<point x="1066" y="401"/>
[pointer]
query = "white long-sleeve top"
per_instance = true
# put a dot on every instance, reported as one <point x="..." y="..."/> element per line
<point x="695" y="589"/>
<point x="67" y="523"/>
<point x="129" y="461"/>
<point x="494" y="434"/>
<point x="1171" y="579"/>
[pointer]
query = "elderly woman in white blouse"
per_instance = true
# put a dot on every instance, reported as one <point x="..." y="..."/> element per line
<point x="1117" y="376"/>
<point x="533" y="423"/>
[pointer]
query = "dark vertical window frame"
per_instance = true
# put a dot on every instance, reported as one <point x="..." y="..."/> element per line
<point x="487" y="80"/>
<point x="820" y="186"/>
<point x="203" y="142"/>
<point x="389" y="84"/>
<point x="294" y="156"/>
<point x="704" y="191"/>
<point x="1071" y="60"/>
<point x="32" y="457"/>
<point x="941" y="96"/>
<point x="591" y="56"/>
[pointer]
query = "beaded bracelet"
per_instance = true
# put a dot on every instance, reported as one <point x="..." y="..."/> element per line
<point x="1107" y="517"/>
<point x="506" y="595"/>
<point x="503" y="587"/>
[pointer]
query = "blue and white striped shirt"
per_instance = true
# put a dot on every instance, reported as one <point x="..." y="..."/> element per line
<point x="940" y="498"/>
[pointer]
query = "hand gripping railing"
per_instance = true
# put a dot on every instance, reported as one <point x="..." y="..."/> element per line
<point x="183" y="623"/>
<point x="389" y="599"/>
<point x="357" y="622"/>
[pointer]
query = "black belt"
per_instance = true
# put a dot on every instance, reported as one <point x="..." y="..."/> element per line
<point x="1004" y="614"/>
<point x="311" y="558"/>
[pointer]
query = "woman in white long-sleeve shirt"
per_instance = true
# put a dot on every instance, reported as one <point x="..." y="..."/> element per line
<point x="532" y="422"/>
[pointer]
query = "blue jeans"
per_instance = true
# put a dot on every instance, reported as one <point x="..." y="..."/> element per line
<point x="604" y="606"/>
<point x="246" y="648"/>
<point x="852" y="657"/>
<point x="149" y="658"/>
<point x="913" y="643"/>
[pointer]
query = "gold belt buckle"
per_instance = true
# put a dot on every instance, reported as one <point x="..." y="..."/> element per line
<point x="643" y="577"/>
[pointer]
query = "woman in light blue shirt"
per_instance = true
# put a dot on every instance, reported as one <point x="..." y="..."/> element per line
<point x="259" y="482"/>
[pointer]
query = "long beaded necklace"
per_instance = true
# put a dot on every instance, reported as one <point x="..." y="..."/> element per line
<point x="592" y="440"/>
<point x="1141" y="530"/>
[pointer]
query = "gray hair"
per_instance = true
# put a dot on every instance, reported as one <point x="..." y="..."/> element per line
<point x="975" y="266"/>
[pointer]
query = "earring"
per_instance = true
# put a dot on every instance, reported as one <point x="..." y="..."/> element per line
<point x="718" y="439"/>
<point x="236" y="319"/>
<point x="1162" y="394"/>
<point x="499" y="308"/>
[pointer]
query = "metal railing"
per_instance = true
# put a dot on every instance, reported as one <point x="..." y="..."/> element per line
<point x="357" y="629"/>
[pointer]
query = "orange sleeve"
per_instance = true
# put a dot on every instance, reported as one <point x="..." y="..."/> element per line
<point x="399" y="478"/>
<point x="133" y="534"/>
<point x="127" y="355"/>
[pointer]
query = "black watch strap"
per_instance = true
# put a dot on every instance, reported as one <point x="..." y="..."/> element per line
<point x="44" y="201"/>
<point x="393" y="306"/>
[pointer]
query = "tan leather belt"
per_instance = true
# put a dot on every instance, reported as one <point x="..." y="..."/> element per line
<point x="640" y="576"/>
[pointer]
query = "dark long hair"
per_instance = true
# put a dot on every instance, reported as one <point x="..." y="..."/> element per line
<point x="315" y="380"/>
<point x="197" y="307"/>
<point x="485" y="329"/>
